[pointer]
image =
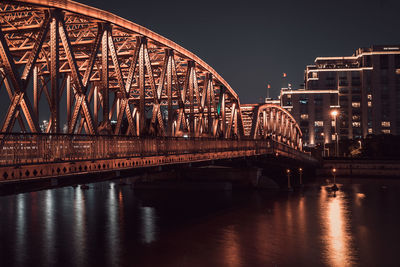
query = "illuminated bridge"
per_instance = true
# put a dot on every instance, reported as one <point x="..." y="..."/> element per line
<point x="83" y="90"/>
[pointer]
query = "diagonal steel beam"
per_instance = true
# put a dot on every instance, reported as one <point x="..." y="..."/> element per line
<point x="93" y="55"/>
<point x="76" y="78"/>
<point x="19" y="87"/>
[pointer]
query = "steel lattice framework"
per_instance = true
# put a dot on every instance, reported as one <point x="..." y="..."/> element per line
<point x="273" y="122"/>
<point x="117" y="78"/>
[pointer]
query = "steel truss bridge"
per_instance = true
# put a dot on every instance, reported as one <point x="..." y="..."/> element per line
<point x="116" y="95"/>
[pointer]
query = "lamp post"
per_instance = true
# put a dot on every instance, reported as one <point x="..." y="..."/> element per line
<point x="334" y="114"/>
<point x="334" y="175"/>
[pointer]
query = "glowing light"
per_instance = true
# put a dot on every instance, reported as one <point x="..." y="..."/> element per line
<point x="231" y="247"/>
<point x="337" y="238"/>
<point x="334" y="113"/>
<point x="361" y="195"/>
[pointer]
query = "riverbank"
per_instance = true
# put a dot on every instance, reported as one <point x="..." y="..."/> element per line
<point x="359" y="168"/>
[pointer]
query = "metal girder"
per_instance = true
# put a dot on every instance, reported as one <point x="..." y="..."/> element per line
<point x="141" y="85"/>
<point x="19" y="87"/>
<point x="54" y="70"/>
<point x="159" y="87"/>
<point x="122" y="96"/>
<point x="168" y="67"/>
<point x="80" y="90"/>
<point x="271" y="121"/>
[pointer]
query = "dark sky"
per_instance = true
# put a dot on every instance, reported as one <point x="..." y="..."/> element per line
<point x="251" y="43"/>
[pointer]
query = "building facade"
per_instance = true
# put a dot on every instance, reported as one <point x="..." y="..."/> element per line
<point x="312" y="110"/>
<point x="364" y="89"/>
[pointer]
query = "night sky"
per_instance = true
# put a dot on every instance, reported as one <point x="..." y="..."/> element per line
<point x="251" y="43"/>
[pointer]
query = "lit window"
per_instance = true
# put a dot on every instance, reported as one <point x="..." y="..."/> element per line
<point x="333" y="124"/>
<point x="356" y="117"/>
<point x="319" y="123"/>
<point x="369" y="104"/>
<point x="385" y="124"/>
<point x="315" y="75"/>
<point x="355" y="104"/>
<point x="304" y="116"/>
<point x="333" y="137"/>
<point x="386" y="131"/>
<point x="356" y="124"/>
<point x="369" y="97"/>
<point x="370" y="130"/>
<point x="289" y="96"/>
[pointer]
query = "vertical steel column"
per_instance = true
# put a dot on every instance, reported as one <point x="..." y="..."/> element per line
<point x="117" y="95"/>
<point x="142" y="115"/>
<point x="264" y="122"/>
<point x="69" y="99"/>
<point x="104" y="77"/>
<point x="169" y="55"/>
<point x="95" y="105"/>
<point x="54" y="72"/>
<point x="192" y="80"/>
<point x="223" y="115"/>
<point x="209" y="88"/>
<point x="35" y="92"/>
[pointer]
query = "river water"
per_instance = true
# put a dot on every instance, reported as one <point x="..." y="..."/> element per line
<point x="114" y="225"/>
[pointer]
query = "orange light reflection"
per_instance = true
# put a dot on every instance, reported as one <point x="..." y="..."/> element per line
<point x="336" y="236"/>
<point x="231" y="247"/>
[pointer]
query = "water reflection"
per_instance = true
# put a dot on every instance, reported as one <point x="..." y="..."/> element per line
<point x="66" y="227"/>
<point x="113" y="226"/>
<point x="49" y="231"/>
<point x="336" y="223"/>
<point x="79" y="226"/>
<point x="20" y="232"/>
<point x="148" y="231"/>
<point x="231" y="247"/>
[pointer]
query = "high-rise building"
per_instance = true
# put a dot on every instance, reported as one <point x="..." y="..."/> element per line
<point x="364" y="88"/>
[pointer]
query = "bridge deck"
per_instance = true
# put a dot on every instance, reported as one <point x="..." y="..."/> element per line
<point x="29" y="156"/>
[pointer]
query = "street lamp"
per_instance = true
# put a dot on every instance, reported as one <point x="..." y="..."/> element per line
<point x="288" y="178"/>
<point x="334" y="114"/>
<point x="334" y="175"/>
<point x="334" y="187"/>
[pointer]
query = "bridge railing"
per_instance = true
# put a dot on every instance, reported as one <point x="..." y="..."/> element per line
<point x="285" y="150"/>
<point x="42" y="148"/>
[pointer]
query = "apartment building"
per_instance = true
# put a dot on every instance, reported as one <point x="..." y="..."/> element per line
<point x="363" y="88"/>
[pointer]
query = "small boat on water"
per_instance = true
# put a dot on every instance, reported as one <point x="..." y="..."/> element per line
<point x="332" y="188"/>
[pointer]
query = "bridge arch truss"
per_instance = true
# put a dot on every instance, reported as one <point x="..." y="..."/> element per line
<point x="269" y="121"/>
<point x="87" y="71"/>
<point x="96" y="73"/>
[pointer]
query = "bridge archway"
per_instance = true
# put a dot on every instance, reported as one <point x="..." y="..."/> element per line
<point x="271" y="121"/>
